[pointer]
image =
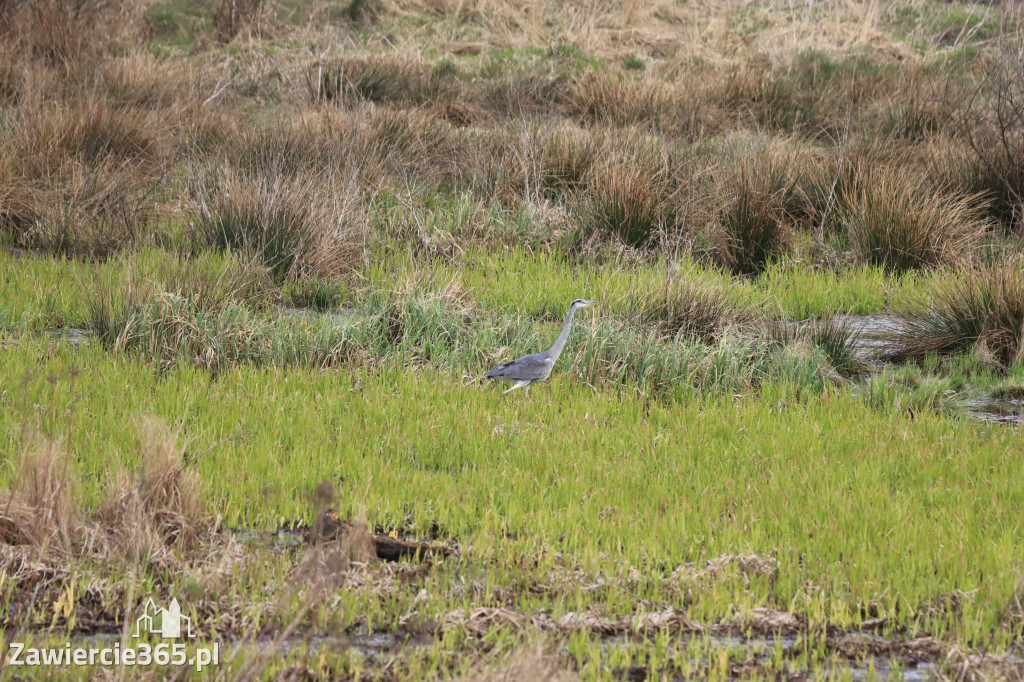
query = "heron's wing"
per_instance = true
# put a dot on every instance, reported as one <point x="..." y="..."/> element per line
<point x="527" y="368"/>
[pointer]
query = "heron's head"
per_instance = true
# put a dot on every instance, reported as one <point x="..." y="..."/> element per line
<point x="582" y="303"/>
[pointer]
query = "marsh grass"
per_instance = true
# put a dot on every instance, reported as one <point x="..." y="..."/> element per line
<point x="983" y="309"/>
<point x="899" y="391"/>
<point x="755" y="223"/>
<point x="699" y="307"/>
<point x="603" y="98"/>
<point x="686" y="368"/>
<point x="317" y="293"/>
<point x="629" y="198"/>
<point x="901" y="223"/>
<point x="292" y="226"/>
<point x="687" y="339"/>
<point x="790" y="436"/>
<point x="437" y="188"/>
<point x="834" y="337"/>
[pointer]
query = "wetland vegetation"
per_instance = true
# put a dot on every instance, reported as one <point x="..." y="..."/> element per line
<point x="256" y="258"/>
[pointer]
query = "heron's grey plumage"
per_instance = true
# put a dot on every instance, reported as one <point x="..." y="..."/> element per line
<point x="536" y="367"/>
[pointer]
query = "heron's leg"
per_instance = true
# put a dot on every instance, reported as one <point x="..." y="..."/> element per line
<point x="519" y="384"/>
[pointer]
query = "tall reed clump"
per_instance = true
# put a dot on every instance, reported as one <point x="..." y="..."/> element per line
<point x="293" y="225"/>
<point x="630" y="197"/>
<point x="983" y="309"/>
<point x="694" y="308"/>
<point x="900" y="222"/>
<point x="568" y="154"/>
<point x="41" y="508"/>
<point x="601" y="98"/>
<point x="833" y="337"/>
<point x="81" y="176"/>
<point x="754" y="222"/>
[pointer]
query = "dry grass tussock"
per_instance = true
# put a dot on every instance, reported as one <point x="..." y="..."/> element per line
<point x="380" y="78"/>
<point x="568" y="153"/>
<point x="897" y="220"/>
<point x="140" y="80"/>
<point x="754" y="223"/>
<point x="71" y="35"/>
<point x="601" y="98"/>
<point x="156" y="513"/>
<point x="159" y="507"/>
<point x="88" y="151"/>
<point x="410" y="143"/>
<point x="294" y="226"/>
<point x="699" y="307"/>
<point x="83" y="211"/>
<point x="80" y="175"/>
<point x="964" y="666"/>
<point x="992" y="122"/>
<point x="41" y="508"/>
<point x="982" y="309"/>
<point x="87" y="131"/>
<point x="630" y="195"/>
<point x="375" y="146"/>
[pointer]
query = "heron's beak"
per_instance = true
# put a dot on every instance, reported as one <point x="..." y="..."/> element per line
<point x="590" y="303"/>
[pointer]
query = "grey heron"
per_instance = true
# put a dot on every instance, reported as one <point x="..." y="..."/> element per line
<point x="530" y="369"/>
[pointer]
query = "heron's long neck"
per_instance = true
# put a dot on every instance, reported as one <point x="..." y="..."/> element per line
<point x="556" y="349"/>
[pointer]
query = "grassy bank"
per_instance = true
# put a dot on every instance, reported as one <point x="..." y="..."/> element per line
<point x="860" y="513"/>
<point x="851" y="498"/>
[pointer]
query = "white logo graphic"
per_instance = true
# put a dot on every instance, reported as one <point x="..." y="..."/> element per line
<point x="164" y="622"/>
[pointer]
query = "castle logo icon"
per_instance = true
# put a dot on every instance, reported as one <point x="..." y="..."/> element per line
<point x="164" y="622"/>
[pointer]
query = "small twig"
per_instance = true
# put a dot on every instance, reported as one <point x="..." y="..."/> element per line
<point x="219" y="89"/>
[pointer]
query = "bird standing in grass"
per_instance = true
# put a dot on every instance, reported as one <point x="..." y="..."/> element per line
<point x="530" y="369"/>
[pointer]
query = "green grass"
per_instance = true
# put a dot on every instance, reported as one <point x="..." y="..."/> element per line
<point x="480" y="173"/>
<point x="542" y="284"/>
<point x="47" y="292"/>
<point x="857" y="504"/>
<point x="41" y="293"/>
